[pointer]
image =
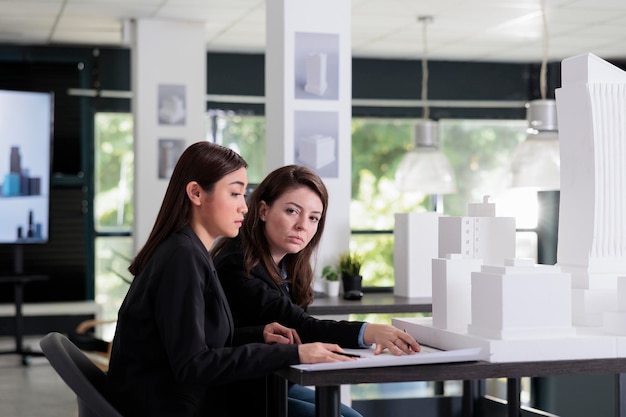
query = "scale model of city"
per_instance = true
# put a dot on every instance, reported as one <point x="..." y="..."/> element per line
<point x="516" y="310"/>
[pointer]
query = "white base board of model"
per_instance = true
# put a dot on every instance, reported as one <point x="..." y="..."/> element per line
<point x="587" y="343"/>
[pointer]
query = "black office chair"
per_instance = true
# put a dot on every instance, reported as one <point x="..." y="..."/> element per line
<point x="80" y="374"/>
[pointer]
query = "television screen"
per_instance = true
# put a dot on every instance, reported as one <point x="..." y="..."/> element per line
<point x="26" y="120"/>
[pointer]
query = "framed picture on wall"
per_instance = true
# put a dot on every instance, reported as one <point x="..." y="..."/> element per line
<point x="316" y="135"/>
<point x="172" y="104"/>
<point x="169" y="152"/>
<point x="316" y="66"/>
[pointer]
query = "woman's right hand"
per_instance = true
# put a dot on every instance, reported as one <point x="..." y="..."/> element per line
<point x="321" y="352"/>
<point x="277" y="333"/>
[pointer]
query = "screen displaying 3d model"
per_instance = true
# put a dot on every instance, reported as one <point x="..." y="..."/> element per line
<point x="25" y="161"/>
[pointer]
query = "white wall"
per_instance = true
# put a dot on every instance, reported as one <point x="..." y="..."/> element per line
<point x="296" y="28"/>
<point x="167" y="56"/>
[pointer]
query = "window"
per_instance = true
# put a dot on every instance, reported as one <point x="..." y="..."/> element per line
<point x="113" y="209"/>
<point x="243" y="133"/>
<point x="479" y="152"/>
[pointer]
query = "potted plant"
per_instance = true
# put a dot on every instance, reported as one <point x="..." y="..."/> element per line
<point x="350" y="264"/>
<point x="331" y="280"/>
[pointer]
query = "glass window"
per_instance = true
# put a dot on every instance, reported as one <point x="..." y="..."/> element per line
<point x="245" y="134"/>
<point x="113" y="255"/>
<point x="113" y="172"/>
<point x="113" y="211"/>
<point x="480" y="154"/>
<point x="377" y="147"/>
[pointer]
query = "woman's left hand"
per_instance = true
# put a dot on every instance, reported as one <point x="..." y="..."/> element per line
<point x="277" y="333"/>
<point x="391" y="338"/>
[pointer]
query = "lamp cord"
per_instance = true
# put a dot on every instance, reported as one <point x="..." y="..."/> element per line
<point x="426" y="109"/>
<point x="544" y="60"/>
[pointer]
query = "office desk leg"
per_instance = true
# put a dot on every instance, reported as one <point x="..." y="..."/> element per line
<point x="327" y="401"/>
<point x="439" y="387"/>
<point x="620" y="395"/>
<point x="277" y="396"/>
<point x="513" y="390"/>
<point x="473" y="390"/>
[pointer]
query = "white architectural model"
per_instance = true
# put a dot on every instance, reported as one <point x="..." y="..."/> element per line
<point x="614" y="322"/>
<point x="521" y="300"/>
<point x="415" y="237"/>
<point x="421" y="237"/>
<point x="592" y="226"/>
<point x="452" y="291"/>
<point x="317" y="151"/>
<point x="316" y="74"/>
<point x="577" y="308"/>
<point x="479" y="235"/>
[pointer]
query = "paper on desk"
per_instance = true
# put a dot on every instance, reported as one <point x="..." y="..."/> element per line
<point x="425" y="356"/>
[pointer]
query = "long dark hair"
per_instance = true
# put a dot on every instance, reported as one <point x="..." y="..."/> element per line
<point x="203" y="162"/>
<point x="254" y="240"/>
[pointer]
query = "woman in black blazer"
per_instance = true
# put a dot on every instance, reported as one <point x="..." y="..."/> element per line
<point x="267" y="276"/>
<point x="175" y="345"/>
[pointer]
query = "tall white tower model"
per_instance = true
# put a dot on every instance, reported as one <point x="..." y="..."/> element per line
<point x="591" y="105"/>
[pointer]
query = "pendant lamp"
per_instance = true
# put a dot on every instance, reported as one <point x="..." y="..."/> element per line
<point x="425" y="168"/>
<point x="536" y="162"/>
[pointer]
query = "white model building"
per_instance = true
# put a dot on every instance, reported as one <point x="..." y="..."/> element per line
<point x="415" y="237"/>
<point x="592" y="226"/>
<point x="421" y="237"/>
<point x="452" y="291"/>
<point x="520" y="300"/>
<point x="520" y="311"/>
<point x="614" y="322"/>
<point x="479" y="235"/>
<point x="463" y="245"/>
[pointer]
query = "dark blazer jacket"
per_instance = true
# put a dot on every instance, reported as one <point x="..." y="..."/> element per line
<point x="258" y="300"/>
<point x="175" y="341"/>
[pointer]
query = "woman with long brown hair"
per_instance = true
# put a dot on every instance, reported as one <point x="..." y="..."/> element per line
<point x="267" y="276"/>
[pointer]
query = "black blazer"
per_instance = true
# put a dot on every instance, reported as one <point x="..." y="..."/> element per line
<point x="174" y="341"/>
<point x="258" y="300"/>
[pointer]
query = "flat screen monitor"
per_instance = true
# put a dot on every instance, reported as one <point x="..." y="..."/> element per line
<point x="26" y="129"/>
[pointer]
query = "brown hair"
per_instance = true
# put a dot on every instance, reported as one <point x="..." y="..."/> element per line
<point x="254" y="240"/>
<point x="203" y="162"/>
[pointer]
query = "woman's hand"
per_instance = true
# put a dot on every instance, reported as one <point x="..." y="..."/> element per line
<point x="321" y="352"/>
<point x="391" y="338"/>
<point x="277" y="333"/>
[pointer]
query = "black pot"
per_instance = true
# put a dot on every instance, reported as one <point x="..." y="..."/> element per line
<point x="352" y="286"/>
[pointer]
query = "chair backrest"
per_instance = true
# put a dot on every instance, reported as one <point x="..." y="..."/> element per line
<point x="80" y="374"/>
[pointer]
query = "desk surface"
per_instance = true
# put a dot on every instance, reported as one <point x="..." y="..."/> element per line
<point x="453" y="371"/>
<point x="371" y="303"/>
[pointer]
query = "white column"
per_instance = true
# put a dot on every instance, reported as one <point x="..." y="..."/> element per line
<point x="169" y="99"/>
<point x="308" y="102"/>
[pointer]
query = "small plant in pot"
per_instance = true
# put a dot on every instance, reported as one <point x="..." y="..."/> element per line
<point x="350" y="266"/>
<point x="331" y="278"/>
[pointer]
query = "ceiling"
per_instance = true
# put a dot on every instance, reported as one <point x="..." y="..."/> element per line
<point x="466" y="30"/>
